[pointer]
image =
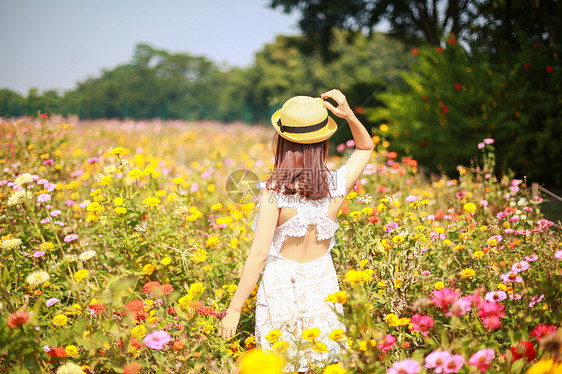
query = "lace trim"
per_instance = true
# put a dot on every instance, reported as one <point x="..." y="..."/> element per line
<point x="310" y="208"/>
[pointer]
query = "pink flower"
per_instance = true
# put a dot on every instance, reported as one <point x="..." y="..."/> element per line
<point x="455" y="364"/>
<point x="481" y="145"/>
<point x="437" y="360"/>
<point x="483" y="202"/>
<point x="532" y="258"/>
<point x="474" y="300"/>
<point x="421" y="323"/>
<point x="52" y="301"/>
<point x="541" y="331"/>
<point x="520" y="266"/>
<point x="426" y="273"/>
<point x="482" y="359"/>
<point x="488" y="141"/>
<point x="444" y="297"/>
<point x="194" y="187"/>
<point x="459" y="308"/>
<point x="55" y="213"/>
<point x="350" y="143"/>
<point x="496" y="296"/>
<point x="514" y="296"/>
<point x="157" y="339"/>
<point x="48" y="162"/>
<point x="390" y="226"/>
<point x="70" y="238"/>
<point x="93" y="160"/>
<point x="558" y="255"/>
<point x="490" y="313"/>
<point x="340" y="148"/>
<point x="43" y="197"/>
<point x="70" y="203"/>
<point x="38" y="254"/>
<point x="404" y="367"/>
<point x="45" y="220"/>
<point x="511" y="277"/>
<point x="389" y="342"/>
<point x="535" y="299"/>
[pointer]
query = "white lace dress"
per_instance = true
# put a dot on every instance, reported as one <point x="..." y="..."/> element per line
<point x="291" y="295"/>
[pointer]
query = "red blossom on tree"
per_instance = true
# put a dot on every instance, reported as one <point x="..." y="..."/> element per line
<point x="549" y="69"/>
<point x="452" y="40"/>
<point x="458" y="86"/>
<point x="445" y="109"/>
<point x="415" y="51"/>
<point x="439" y="50"/>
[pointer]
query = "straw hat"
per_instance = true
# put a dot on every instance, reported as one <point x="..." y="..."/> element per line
<point x="304" y="119"/>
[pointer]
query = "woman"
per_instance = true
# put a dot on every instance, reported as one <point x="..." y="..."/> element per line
<point x="294" y="233"/>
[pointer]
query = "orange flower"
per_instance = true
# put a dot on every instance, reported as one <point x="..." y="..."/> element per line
<point x="18" y="318"/>
<point x="178" y="345"/>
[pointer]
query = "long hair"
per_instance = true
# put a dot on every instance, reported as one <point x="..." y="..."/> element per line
<point x="302" y="163"/>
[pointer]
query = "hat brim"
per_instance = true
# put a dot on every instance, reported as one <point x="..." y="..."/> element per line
<point x="305" y="138"/>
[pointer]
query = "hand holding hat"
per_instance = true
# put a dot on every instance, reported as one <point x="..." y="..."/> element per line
<point x="342" y="110"/>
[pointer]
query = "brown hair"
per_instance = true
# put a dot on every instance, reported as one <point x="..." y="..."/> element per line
<point x="302" y="163"/>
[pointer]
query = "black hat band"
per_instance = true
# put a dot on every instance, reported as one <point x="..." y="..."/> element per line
<point x="301" y="129"/>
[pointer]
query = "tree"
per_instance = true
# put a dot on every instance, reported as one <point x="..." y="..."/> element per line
<point x="426" y="19"/>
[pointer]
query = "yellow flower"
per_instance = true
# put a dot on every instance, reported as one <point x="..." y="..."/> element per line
<point x="60" y="320"/>
<point x="250" y="341"/>
<point x="49" y="246"/>
<point x="397" y="283"/>
<point x="469" y="208"/>
<point x="95" y="207"/>
<point x="280" y="346"/>
<point x="459" y="247"/>
<point x="76" y="309"/>
<point x="337" y="334"/>
<point x="334" y="369"/>
<point x="118" y="151"/>
<point x="196" y="289"/>
<point x="200" y="255"/>
<point x="81" y="274"/>
<point x="120" y="210"/>
<point x="363" y="262"/>
<point x="217" y="206"/>
<point x="212" y="241"/>
<point x="404" y="321"/>
<point x="118" y="201"/>
<point x="319" y="347"/>
<point x="439" y="285"/>
<point x="234" y="243"/>
<point x="548" y="366"/>
<point x="478" y="254"/>
<point x="273" y="336"/>
<point x="148" y="269"/>
<point x="185" y="301"/>
<point x="383" y="127"/>
<point x="468" y="273"/>
<point x="138" y="332"/>
<point x="501" y="287"/>
<point x="391" y="319"/>
<point x="258" y="361"/>
<point x="151" y="201"/>
<point x="355" y="213"/>
<point x="398" y="239"/>
<point x="351" y="195"/>
<point x="71" y="351"/>
<point x="311" y="334"/>
<point x="104" y="181"/>
<point x="337" y="297"/>
<point x="178" y="180"/>
<point x="166" y="261"/>
<point x="353" y="277"/>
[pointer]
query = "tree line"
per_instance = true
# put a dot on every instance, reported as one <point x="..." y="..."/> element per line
<point x="445" y="75"/>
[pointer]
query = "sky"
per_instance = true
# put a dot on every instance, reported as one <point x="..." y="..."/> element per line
<point x="53" y="44"/>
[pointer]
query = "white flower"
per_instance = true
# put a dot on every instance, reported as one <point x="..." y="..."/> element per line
<point x="69" y="368"/>
<point x="85" y="256"/>
<point x="10" y="244"/>
<point x="38" y="277"/>
<point x="24" y="179"/>
<point x="17" y="197"/>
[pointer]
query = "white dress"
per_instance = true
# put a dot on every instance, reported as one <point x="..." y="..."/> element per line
<point x="291" y="295"/>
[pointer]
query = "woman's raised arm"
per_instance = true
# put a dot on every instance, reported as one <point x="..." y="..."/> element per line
<point x="363" y="143"/>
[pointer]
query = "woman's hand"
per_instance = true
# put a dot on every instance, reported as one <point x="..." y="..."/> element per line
<point x="342" y="110"/>
<point x="228" y="324"/>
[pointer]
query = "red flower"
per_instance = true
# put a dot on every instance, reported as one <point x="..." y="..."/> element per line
<point x="524" y="349"/>
<point x="18" y="318"/>
<point x="358" y="109"/>
<point x="56" y="353"/>
<point x="373" y="219"/>
<point x="452" y="40"/>
<point x="172" y="311"/>
<point x="439" y="50"/>
<point x="167" y="289"/>
<point x="133" y="368"/>
<point x="526" y="66"/>
<point x="44" y="115"/>
<point x="136" y="307"/>
<point x="549" y="69"/>
<point x="445" y="109"/>
<point x="415" y="51"/>
<point x="458" y="86"/>
<point x="148" y="287"/>
<point x="97" y="308"/>
<point x="178" y="345"/>
<point x="425" y="98"/>
<point x="391" y="155"/>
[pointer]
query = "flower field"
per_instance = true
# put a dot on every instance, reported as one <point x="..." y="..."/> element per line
<point x="121" y="247"/>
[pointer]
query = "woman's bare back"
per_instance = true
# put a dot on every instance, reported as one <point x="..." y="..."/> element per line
<point x="307" y="248"/>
